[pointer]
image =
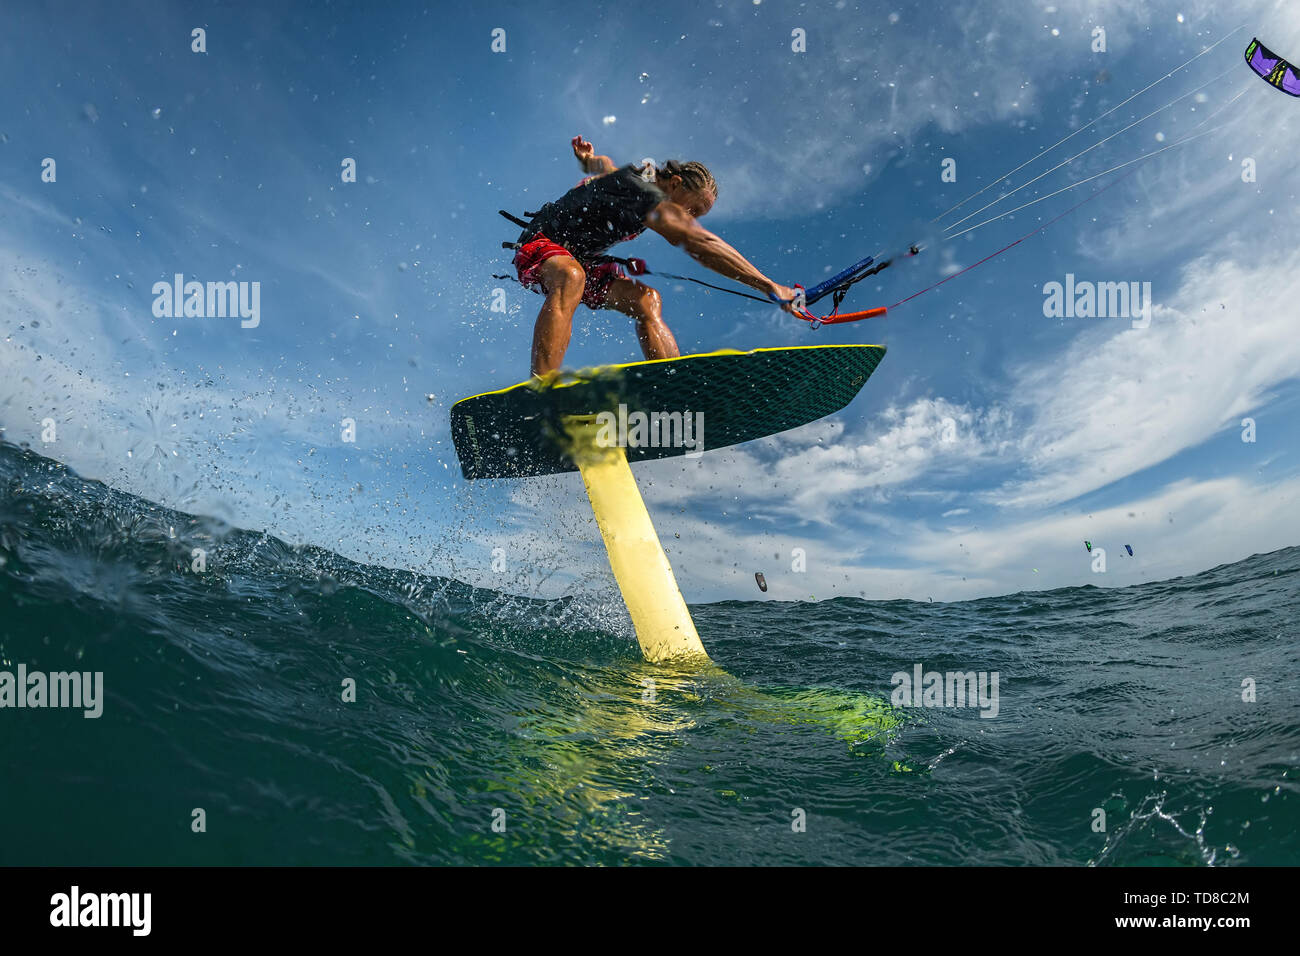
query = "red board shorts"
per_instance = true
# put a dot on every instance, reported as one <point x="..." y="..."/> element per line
<point x="528" y="263"/>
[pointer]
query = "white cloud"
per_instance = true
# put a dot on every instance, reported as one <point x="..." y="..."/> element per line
<point x="818" y="472"/>
<point x="1118" y="403"/>
<point x="1181" y="529"/>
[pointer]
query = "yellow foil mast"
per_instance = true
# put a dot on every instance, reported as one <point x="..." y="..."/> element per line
<point x="664" y="628"/>
<point x="547" y="427"/>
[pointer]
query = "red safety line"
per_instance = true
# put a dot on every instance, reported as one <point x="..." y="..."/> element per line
<point x="838" y="317"/>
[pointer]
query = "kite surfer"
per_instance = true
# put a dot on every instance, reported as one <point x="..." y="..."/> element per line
<point x="560" y="253"/>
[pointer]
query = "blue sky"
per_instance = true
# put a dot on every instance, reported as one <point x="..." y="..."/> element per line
<point x="375" y="295"/>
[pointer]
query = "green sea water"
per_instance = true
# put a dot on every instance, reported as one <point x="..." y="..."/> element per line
<point x="489" y="729"/>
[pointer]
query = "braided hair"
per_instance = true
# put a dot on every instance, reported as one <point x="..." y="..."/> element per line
<point x="695" y="176"/>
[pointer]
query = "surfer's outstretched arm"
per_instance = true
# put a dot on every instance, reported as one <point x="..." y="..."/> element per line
<point x="680" y="228"/>
<point x="591" y="163"/>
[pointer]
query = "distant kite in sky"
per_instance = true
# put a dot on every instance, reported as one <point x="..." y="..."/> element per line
<point x="1273" y="68"/>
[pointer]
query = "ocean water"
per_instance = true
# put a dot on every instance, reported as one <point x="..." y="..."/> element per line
<point x="489" y="729"/>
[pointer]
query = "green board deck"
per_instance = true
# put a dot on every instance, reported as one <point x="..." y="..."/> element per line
<point x="516" y="432"/>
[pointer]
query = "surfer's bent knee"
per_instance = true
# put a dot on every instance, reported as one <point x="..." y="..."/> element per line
<point x="636" y="299"/>
<point x="650" y="305"/>
<point x="563" y="275"/>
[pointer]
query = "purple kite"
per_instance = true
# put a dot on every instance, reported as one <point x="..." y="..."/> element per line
<point x="1273" y="68"/>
